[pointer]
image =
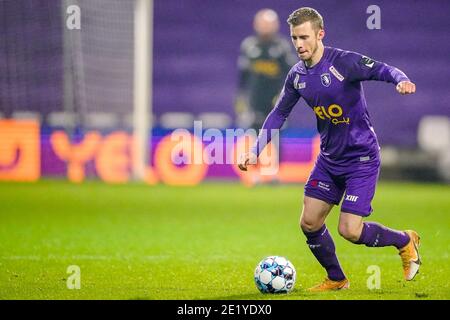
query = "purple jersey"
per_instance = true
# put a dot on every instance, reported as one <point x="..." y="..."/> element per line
<point x="333" y="89"/>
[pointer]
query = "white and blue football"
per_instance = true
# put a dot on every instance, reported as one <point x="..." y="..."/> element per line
<point x="275" y="274"/>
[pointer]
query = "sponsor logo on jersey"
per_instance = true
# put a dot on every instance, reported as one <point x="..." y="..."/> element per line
<point x="336" y="73"/>
<point x="326" y="79"/>
<point x="334" y="112"/>
<point x="297" y="84"/>
<point x="366" y="61"/>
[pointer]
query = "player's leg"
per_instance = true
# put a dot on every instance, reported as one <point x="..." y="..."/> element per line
<point x="372" y="234"/>
<point x="357" y="205"/>
<point x="320" y="242"/>
<point x="320" y="196"/>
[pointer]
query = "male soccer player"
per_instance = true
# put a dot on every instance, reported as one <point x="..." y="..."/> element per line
<point x="348" y="165"/>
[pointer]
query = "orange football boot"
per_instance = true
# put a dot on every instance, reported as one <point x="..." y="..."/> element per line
<point x="329" y="285"/>
<point x="410" y="256"/>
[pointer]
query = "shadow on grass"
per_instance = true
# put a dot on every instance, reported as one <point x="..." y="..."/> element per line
<point x="295" y="294"/>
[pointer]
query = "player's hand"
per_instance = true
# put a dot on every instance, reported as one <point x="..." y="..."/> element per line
<point x="246" y="159"/>
<point x="406" y="87"/>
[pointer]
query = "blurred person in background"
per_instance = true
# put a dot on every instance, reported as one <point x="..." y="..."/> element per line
<point x="263" y="61"/>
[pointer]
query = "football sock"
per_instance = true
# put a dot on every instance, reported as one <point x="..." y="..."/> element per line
<point x="376" y="235"/>
<point x="322" y="246"/>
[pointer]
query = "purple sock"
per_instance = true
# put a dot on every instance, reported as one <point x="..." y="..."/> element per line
<point x="322" y="246"/>
<point x="376" y="235"/>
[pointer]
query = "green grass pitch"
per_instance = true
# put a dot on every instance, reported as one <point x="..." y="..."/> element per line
<point x="141" y="242"/>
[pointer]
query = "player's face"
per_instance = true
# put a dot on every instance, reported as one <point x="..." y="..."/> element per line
<point x="306" y="40"/>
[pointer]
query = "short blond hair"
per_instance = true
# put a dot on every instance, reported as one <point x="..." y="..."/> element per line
<point x="306" y="14"/>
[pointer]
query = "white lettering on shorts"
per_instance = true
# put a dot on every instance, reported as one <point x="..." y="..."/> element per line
<point x="351" y="198"/>
<point x="324" y="186"/>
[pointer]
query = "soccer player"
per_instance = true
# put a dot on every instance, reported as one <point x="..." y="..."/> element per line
<point x="348" y="165"/>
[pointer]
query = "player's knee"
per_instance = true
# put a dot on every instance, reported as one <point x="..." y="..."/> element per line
<point x="312" y="217"/>
<point x="349" y="232"/>
<point x="306" y="226"/>
<point x="309" y="225"/>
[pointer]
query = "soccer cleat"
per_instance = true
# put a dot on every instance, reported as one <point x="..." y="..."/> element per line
<point x="410" y="256"/>
<point x="329" y="285"/>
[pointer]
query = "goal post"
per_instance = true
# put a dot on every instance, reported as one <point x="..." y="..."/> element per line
<point x="142" y="85"/>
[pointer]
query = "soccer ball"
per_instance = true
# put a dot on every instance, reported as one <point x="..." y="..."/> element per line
<point x="275" y="274"/>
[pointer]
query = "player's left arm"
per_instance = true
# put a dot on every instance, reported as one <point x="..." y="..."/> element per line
<point x="362" y="68"/>
<point x="406" y="87"/>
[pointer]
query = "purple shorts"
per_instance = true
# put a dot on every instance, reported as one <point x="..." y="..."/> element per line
<point x="356" y="183"/>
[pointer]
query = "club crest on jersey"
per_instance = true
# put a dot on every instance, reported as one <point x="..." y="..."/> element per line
<point x="326" y="79"/>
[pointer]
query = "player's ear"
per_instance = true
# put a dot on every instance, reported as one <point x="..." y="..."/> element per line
<point x="320" y="34"/>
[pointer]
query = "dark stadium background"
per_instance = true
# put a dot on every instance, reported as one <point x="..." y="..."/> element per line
<point x="196" y="44"/>
<point x="195" y="50"/>
<point x="66" y="117"/>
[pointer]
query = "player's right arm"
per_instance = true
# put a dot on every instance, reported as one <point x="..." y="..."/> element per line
<point x="275" y="120"/>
